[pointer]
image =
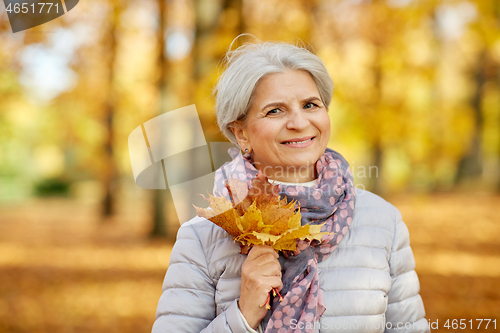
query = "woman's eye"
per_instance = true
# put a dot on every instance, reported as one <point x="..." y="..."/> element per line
<point x="273" y="111"/>
<point x="309" y="105"/>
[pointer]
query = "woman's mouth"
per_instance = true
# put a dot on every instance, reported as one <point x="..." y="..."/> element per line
<point x="299" y="142"/>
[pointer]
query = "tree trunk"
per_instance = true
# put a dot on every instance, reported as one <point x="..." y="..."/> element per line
<point x="159" y="228"/>
<point x="109" y="172"/>
<point x="470" y="165"/>
<point x="374" y="183"/>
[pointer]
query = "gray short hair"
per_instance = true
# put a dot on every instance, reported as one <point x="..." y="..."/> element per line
<point x="248" y="64"/>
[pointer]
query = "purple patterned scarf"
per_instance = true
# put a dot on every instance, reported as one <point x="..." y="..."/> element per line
<point x="332" y="201"/>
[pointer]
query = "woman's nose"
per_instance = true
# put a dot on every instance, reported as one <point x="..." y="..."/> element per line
<point x="297" y="120"/>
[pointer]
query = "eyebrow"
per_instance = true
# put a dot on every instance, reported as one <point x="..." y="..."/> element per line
<point x="277" y="104"/>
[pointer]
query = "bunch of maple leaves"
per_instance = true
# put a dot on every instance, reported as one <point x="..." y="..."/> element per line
<point x="260" y="217"/>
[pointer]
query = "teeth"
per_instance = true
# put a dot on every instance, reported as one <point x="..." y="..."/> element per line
<point x="291" y="143"/>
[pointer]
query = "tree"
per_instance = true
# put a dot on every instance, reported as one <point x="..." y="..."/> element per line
<point x="109" y="172"/>
<point x="160" y="196"/>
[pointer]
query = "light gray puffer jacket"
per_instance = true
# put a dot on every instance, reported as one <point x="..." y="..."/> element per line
<point x="369" y="283"/>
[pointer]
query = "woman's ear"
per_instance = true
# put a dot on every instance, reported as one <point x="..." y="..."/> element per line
<point x="240" y="133"/>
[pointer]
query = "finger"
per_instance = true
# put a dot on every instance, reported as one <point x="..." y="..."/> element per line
<point x="259" y="250"/>
<point x="263" y="259"/>
<point x="263" y="264"/>
<point x="252" y="276"/>
<point x="262" y="250"/>
<point x="265" y="284"/>
<point x="270" y="269"/>
<point x="274" y="282"/>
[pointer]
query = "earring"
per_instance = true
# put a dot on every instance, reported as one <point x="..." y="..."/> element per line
<point x="246" y="150"/>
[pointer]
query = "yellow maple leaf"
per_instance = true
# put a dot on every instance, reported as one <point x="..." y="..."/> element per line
<point x="259" y="216"/>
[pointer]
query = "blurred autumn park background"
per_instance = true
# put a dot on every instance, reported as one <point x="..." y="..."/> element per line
<point x="417" y="98"/>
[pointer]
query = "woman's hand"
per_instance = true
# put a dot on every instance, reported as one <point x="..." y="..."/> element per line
<point x="260" y="272"/>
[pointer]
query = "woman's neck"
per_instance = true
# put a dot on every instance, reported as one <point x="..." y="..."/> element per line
<point x="290" y="174"/>
<point x="311" y="183"/>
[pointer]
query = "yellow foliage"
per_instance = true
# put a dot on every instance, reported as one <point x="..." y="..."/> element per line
<point x="259" y="217"/>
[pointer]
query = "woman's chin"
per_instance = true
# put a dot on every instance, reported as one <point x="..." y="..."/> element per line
<point x="303" y="157"/>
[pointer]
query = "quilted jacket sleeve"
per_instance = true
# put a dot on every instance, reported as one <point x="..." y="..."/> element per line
<point x="187" y="302"/>
<point x="405" y="311"/>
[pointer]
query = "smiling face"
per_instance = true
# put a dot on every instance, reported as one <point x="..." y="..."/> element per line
<point x="287" y="127"/>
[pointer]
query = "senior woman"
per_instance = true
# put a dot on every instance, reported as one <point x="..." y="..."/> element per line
<point x="272" y="101"/>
